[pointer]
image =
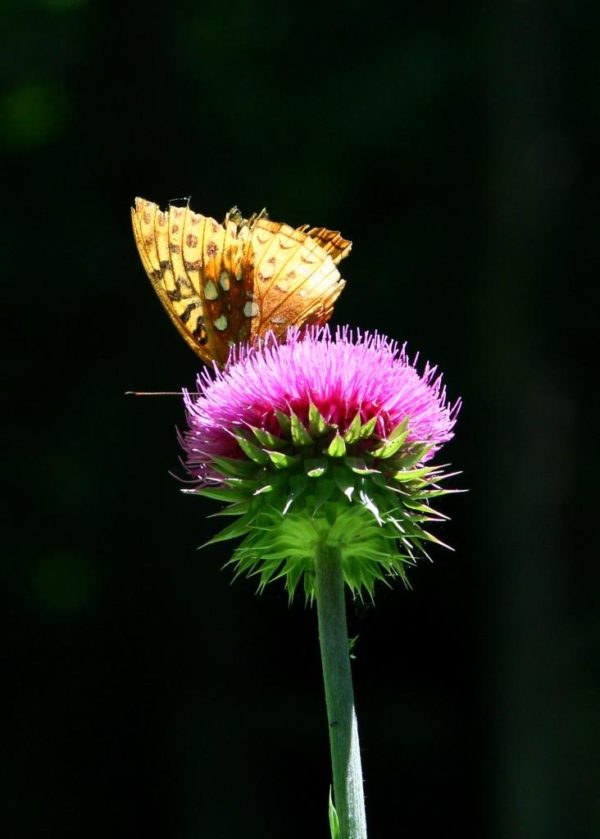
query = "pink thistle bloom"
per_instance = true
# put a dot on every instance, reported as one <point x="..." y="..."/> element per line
<point x="342" y="374"/>
<point x="325" y="439"/>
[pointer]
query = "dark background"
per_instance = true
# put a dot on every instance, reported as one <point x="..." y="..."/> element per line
<point x="456" y="144"/>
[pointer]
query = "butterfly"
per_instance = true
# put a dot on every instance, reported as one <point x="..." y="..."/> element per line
<point x="222" y="284"/>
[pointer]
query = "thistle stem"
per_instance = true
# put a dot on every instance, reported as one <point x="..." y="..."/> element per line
<point x="339" y="696"/>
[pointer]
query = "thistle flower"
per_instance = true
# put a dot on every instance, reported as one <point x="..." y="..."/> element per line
<point x="327" y="439"/>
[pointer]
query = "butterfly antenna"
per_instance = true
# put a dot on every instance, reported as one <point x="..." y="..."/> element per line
<point x="153" y="393"/>
<point x="186" y="198"/>
<point x="235" y="215"/>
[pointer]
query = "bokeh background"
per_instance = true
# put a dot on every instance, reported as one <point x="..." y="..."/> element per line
<point x="456" y="144"/>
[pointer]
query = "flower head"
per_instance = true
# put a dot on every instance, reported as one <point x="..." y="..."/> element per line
<point x="326" y="437"/>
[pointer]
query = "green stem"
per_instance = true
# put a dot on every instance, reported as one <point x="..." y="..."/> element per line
<point x="343" y="729"/>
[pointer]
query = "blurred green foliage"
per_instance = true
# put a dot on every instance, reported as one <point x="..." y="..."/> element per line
<point x="34" y="114"/>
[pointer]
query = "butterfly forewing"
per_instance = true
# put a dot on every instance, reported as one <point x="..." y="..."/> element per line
<point x="172" y="280"/>
<point x="222" y="284"/>
<point x="193" y="226"/>
<point x="331" y="241"/>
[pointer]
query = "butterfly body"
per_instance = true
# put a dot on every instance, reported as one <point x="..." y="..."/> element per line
<point x="226" y="283"/>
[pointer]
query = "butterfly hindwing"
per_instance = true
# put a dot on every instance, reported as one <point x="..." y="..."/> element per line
<point x="296" y="279"/>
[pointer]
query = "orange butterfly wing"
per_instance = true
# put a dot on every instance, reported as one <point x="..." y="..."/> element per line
<point x="221" y="284"/>
<point x="295" y="279"/>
